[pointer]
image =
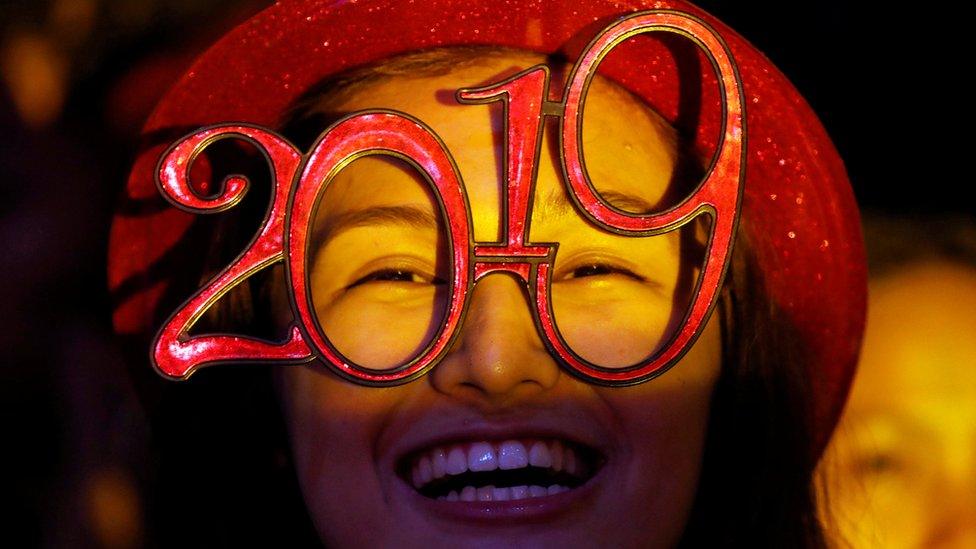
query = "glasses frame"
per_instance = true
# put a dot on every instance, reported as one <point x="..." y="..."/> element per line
<point x="299" y="182"/>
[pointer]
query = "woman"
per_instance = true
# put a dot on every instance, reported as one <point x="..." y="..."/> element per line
<point x="577" y="329"/>
<point x="900" y="466"/>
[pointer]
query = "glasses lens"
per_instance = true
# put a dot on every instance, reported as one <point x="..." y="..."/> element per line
<point x="618" y="300"/>
<point x="625" y="144"/>
<point x="379" y="267"/>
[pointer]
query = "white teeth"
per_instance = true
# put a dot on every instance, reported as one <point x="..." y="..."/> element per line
<point x="519" y="492"/>
<point x="484" y="493"/>
<point x="557" y="455"/>
<point x="539" y="455"/>
<point x="569" y="461"/>
<point x="511" y="455"/>
<point x="491" y="493"/>
<point x="426" y="472"/>
<point x="481" y="457"/>
<point x="456" y="463"/>
<point x="484" y="456"/>
<point x="438" y="462"/>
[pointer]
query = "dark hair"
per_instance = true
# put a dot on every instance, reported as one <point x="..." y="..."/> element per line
<point x="755" y="487"/>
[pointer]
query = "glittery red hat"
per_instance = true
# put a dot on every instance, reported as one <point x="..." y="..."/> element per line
<point x="798" y="209"/>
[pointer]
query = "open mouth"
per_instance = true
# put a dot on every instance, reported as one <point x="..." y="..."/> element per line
<point x="508" y="470"/>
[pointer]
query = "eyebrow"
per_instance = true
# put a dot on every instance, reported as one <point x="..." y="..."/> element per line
<point x="555" y="203"/>
<point x="409" y="216"/>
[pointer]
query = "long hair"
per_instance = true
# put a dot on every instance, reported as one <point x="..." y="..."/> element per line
<point x="756" y="487"/>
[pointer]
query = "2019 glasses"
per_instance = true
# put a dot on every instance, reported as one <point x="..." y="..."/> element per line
<point x="301" y="181"/>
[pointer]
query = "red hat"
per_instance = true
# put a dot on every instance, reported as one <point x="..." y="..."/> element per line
<point x="798" y="207"/>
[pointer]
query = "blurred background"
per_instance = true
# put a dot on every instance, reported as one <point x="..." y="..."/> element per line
<point x="77" y="79"/>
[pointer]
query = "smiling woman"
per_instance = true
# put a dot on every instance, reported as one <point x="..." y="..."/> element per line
<point x="498" y="279"/>
<point x="496" y="446"/>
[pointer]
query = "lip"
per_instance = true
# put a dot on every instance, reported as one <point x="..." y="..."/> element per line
<point x="451" y="425"/>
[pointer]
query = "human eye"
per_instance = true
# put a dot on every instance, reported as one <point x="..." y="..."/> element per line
<point x="603" y="269"/>
<point x="396" y="275"/>
<point x="597" y="265"/>
<point x="394" y="272"/>
<point x="877" y="464"/>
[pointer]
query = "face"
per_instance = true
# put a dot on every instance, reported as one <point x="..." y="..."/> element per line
<point x="902" y="467"/>
<point x="498" y="445"/>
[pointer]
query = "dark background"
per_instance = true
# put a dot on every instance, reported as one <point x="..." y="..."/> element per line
<point x="79" y="76"/>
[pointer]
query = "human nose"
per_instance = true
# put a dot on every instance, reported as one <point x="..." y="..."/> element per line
<point x="499" y="358"/>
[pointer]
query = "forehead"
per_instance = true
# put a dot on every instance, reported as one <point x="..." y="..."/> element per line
<point x="931" y="357"/>
<point x="629" y="150"/>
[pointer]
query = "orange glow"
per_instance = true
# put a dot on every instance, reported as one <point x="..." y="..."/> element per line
<point x="901" y="471"/>
<point x="35" y="72"/>
<point x="113" y="509"/>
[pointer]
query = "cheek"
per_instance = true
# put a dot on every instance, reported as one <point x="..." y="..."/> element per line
<point x="663" y="425"/>
<point x="636" y="326"/>
<point x="333" y="427"/>
<point x="397" y="334"/>
<point x="667" y="433"/>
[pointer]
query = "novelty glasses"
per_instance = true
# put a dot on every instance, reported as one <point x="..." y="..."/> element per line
<point x="396" y="282"/>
